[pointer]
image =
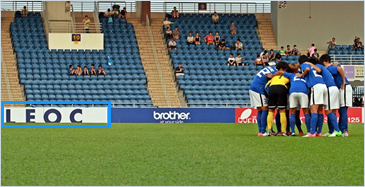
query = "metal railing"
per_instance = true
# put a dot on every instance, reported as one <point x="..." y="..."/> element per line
<point x="96" y="16"/>
<point x="348" y="59"/>
<point x="69" y="27"/>
<point x="73" y="18"/>
<point x="32" y="6"/>
<point x="228" y="7"/>
<point x="102" y="5"/>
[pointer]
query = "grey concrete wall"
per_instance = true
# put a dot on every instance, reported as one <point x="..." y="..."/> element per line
<point x="304" y="22"/>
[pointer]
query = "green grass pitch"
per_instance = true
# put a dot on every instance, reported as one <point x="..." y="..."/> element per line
<point x="178" y="154"/>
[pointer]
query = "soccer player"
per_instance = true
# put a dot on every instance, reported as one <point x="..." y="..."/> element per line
<point x="345" y="91"/>
<point x="331" y="103"/>
<point x="278" y="97"/>
<point x="318" y="92"/>
<point x="258" y="97"/>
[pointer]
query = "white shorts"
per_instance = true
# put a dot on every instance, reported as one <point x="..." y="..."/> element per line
<point x="297" y="99"/>
<point x="332" y="101"/>
<point x="257" y="100"/>
<point x="346" y="96"/>
<point x="318" y="94"/>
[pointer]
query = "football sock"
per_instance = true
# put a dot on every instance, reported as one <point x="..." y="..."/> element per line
<point x="330" y="126"/>
<point x="298" y="123"/>
<point x="270" y="117"/>
<point x="332" y="118"/>
<point x="277" y="122"/>
<point x="343" y="119"/>
<point x="308" y="122"/>
<point x="283" y="121"/>
<point x="314" y="119"/>
<point x="292" y="122"/>
<point x="287" y="121"/>
<point x="264" y="120"/>
<point x="259" y="121"/>
<point x="320" y="123"/>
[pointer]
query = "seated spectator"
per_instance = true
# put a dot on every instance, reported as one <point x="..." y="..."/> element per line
<point x="265" y="58"/>
<point x="168" y="33"/>
<point x="238" y="45"/>
<point x="311" y="50"/>
<point x="78" y="70"/>
<point x="92" y="70"/>
<point x="101" y="71"/>
<point x="190" y="39"/>
<point x="179" y="70"/>
<point x="175" y="13"/>
<point x="258" y="61"/>
<point x="222" y="45"/>
<point x="233" y="29"/>
<point x="86" y="22"/>
<point x="209" y="39"/>
<point x="231" y="60"/>
<point x="288" y="51"/>
<point x="176" y="34"/>
<point x="123" y="13"/>
<point x="278" y="57"/>
<point x="197" y="39"/>
<point x="71" y="70"/>
<point x="295" y="51"/>
<point x="172" y="44"/>
<point x="24" y="12"/>
<point x="264" y="53"/>
<point x="86" y="71"/>
<point x="282" y="51"/>
<point x="167" y="23"/>
<point x="215" y="18"/>
<point x="115" y="12"/>
<point x="239" y="60"/>
<point x="332" y="43"/>
<point x="217" y="38"/>
<point x="107" y="13"/>
<point x="271" y="55"/>
<point x="315" y="54"/>
<point x="357" y="44"/>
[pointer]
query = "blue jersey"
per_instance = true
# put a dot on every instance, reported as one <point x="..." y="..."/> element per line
<point x="327" y="76"/>
<point x="260" y="80"/>
<point x="312" y="77"/>
<point x="297" y="84"/>
<point x="336" y="76"/>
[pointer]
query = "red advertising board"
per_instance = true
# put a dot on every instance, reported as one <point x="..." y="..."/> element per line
<point x="249" y="115"/>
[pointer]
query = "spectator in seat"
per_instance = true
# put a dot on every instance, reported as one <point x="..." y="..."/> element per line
<point x="332" y="43"/>
<point x="265" y="58"/>
<point x="311" y="50"/>
<point x="264" y="53"/>
<point x="295" y="51"/>
<point x="288" y="51"/>
<point x="239" y="60"/>
<point x="86" y="22"/>
<point x="71" y="70"/>
<point x="278" y="58"/>
<point x="271" y="55"/>
<point x="107" y="13"/>
<point x="222" y="45"/>
<point x="217" y="38"/>
<point x="86" y="71"/>
<point x="357" y="44"/>
<point x="92" y="70"/>
<point x="101" y="71"/>
<point x="123" y="13"/>
<point x="24" y="12"/>
<point x="197" y="39"/>
<point x="176" y="34"/>
<point x="168" y="33"/>
<point x="282" y="50"/>
<point x="175" y="13"/>
<point x="233" y="29"/>
<point x="78" y="70"/>
<point x="215" y="18"/>
<point x="238" y="45"/>
<point x="172" y="44"/>
<point x="209" y="39"/>
<point x="115" y="12"/>
<point x="167" y="23"/>
<point x="179" y="70"/>
<point x="315" y="54"/>
<point x="190" y="39"/>
<point x="231" y="60"/>
<point x="258" y="61"/>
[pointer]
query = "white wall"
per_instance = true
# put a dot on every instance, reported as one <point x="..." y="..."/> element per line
<point x="64" y="41"/>
<point x="57" y="10"/>
<point x="340" y="19"/>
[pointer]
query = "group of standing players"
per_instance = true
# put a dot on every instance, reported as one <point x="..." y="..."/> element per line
<point x="311" y="85"/>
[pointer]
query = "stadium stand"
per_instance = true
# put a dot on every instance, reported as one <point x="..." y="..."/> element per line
<point x="208" y="81"/>
<point x="44" y="72"/>
<point x="346" y="55"/>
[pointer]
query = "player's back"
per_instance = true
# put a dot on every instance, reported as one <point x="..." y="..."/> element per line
<point x="297" y="84"/>
<point x="312" y="77"/>
<point x="336" y="76"/>
<point x="260" y="80"/>
<point x="327" y="76"/>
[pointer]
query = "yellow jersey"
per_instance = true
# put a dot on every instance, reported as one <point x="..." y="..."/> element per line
<point x="279" y="80"/>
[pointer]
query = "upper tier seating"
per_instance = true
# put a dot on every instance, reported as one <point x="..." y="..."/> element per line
<point x="345" y="55"/>
<point x="44" y="72"/>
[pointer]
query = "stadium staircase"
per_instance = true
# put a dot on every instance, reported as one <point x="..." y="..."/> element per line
<point x="266" y="32"/>
<point x="159" y="71"/>
<point x="11" y="90"/>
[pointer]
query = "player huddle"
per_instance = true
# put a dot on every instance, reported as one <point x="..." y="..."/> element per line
<point x="310" y="85"/>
